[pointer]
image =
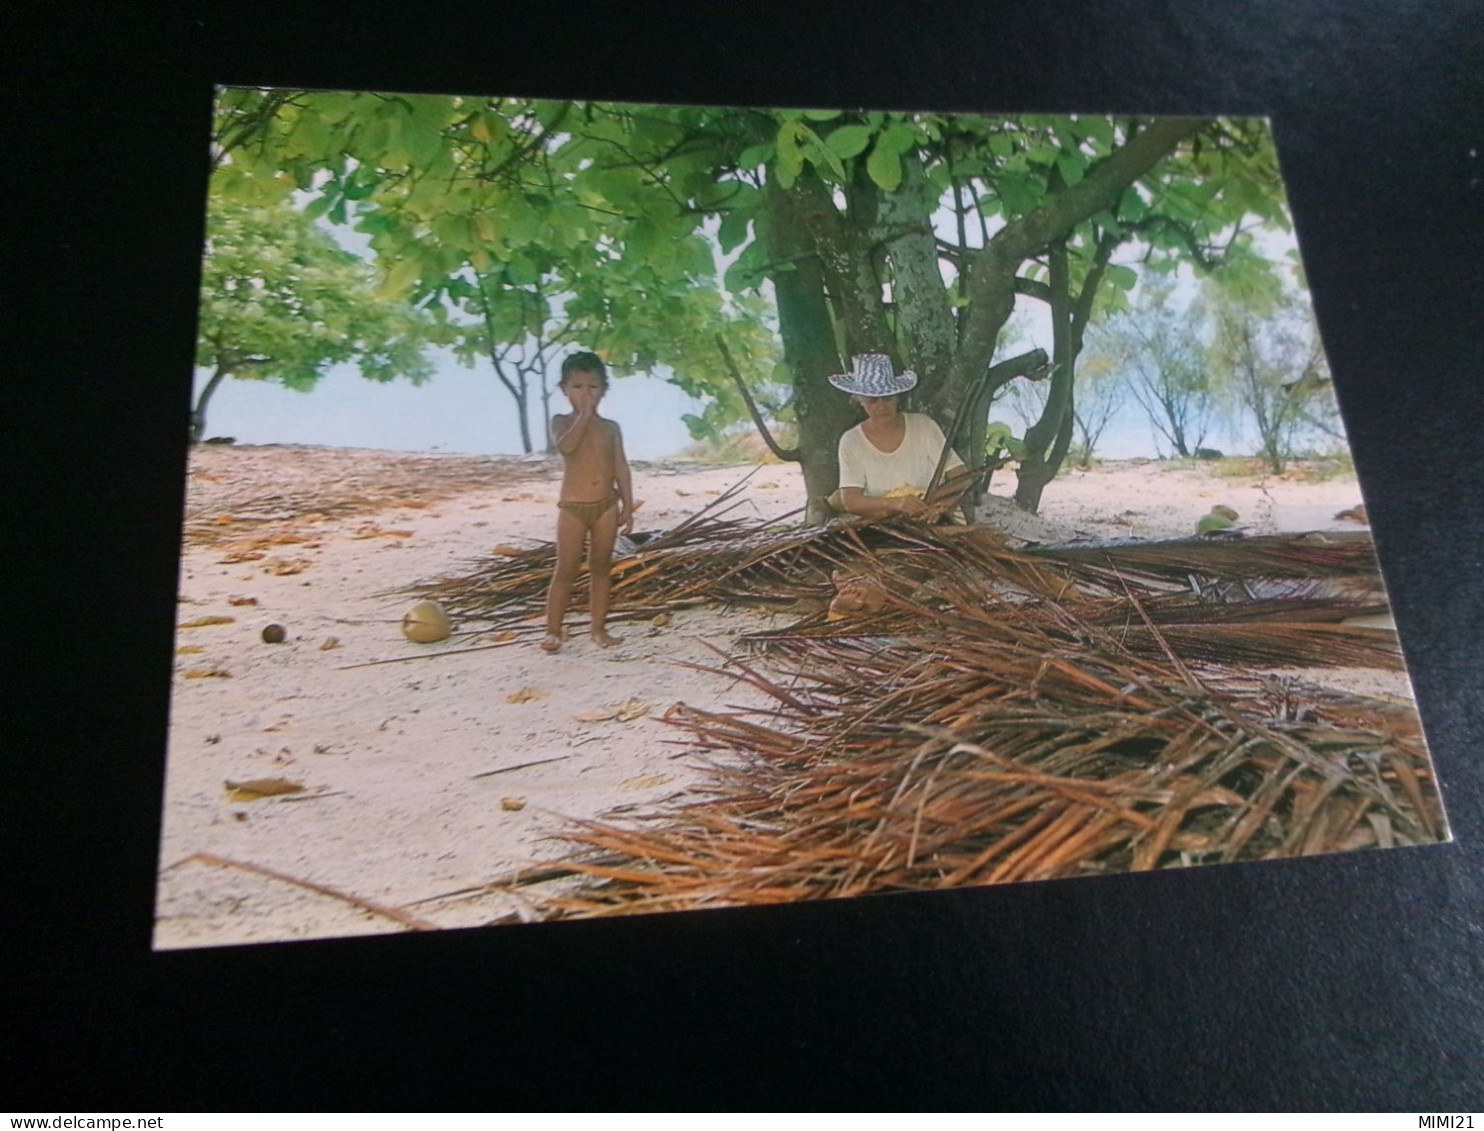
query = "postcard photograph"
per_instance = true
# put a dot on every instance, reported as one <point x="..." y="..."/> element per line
<point x="598" y="509"/>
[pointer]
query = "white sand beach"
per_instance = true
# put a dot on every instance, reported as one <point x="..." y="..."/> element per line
<point x="454" y="763"/>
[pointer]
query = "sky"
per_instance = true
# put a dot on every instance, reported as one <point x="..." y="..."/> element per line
<point x="456" y="410"/>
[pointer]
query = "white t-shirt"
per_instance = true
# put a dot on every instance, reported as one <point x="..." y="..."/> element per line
<point x="866" y="466"/>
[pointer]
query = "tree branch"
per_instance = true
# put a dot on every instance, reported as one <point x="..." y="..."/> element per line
<point x="788" y="455"/>
<point x="1032" y="288"/>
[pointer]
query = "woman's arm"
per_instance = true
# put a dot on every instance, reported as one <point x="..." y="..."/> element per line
<point x="856" y="501"/>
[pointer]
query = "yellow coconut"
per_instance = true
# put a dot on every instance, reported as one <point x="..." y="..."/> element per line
<point x="426" y="623"/>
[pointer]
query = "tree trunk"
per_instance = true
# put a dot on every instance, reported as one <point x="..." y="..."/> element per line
<point x="924" y="314"/>
<point x="550" y="446"/>
<point x="807" y="329"/>
<point x="1040" y="464"/>
<point x="522" y="402"/>
<point x="198" y="413"/>
<point x="1030" y="482"/>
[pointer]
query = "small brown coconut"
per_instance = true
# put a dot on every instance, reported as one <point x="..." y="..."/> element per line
<point x="274" y="634"/>
<point x="426" y="623"/>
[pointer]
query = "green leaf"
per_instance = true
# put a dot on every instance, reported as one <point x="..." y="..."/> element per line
<point x="1124" y="278"/>
<point x="818" y="153"/>
<point x="1098" y="128"/>
<point x="318" y="207"/>
<point x="822" y="115"/>
<point x="733" y="230"/>
<point x="790" y="156"/>
<point x="1019" y="194"/>
<point x="1071" y="166"/>
<point x="403" y="274"/>
<point x="999" y="436"/>
<point x="849" y="141"/>
<point x="884" y="167"/>
<point x="898" y="137"/>
<point x="755" y="155"/>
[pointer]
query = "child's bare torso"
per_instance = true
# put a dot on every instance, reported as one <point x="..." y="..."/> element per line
<point x="589" y="474"/>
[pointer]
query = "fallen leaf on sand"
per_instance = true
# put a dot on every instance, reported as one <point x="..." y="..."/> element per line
<point x="189" y="650"/>
<point x="660" y="620"/>
<point x="205" y="622"/>
<point x="206" y="673"/>
<point x="645" y="781"/>
<point x="240" y="601"/>
<point x="622" y="712"/>
<point x="513" y="804"/>
<point x="286" y="567"/>
<point x="504" y="637"/>
<point x="331" y="642"/>
<point x="242" y="556"/>
<point x="261" y="787"/>
<point x="1354" y="514"/>
<point x="525" y="695"/>
<point x="506" y="551"/>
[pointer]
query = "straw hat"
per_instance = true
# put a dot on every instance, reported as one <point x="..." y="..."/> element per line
<point x="872" y="376"/>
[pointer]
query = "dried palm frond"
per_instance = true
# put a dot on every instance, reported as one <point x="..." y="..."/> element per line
<point x="949" y="759"/>
<point x="1006" y="714"/>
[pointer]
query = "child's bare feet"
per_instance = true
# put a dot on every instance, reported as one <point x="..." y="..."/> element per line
<point x="552" y="643"/>
<point x="603" y="640"/>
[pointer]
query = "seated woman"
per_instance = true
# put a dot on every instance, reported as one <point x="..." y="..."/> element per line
<point x="886" y="465"/>
<point x="887" y="462"/>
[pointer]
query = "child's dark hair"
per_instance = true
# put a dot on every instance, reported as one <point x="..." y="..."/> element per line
<point x="584" y="361"/>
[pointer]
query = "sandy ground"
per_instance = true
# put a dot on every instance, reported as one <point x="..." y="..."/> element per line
<point x="437" y="773"/>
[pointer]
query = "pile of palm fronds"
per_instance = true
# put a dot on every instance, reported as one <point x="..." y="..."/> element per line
<point x="710" y="559"/>
<point x="1005" y="714"/>
<point x="998" y="746"/>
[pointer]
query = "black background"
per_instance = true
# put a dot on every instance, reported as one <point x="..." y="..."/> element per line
<point x="1342" y="982"/>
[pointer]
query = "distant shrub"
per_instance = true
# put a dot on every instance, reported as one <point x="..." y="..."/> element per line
<point x="738" y="446"/>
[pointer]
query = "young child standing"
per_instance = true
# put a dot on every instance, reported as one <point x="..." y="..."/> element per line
<point x="597" y="498"/>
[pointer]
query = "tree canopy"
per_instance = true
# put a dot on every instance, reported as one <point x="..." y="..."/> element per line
<point x="281" y="301"/>
<point x="648" y="230"/>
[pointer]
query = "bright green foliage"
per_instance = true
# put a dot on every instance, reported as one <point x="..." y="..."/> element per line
<point x="280" y="301"/>
<point x="1000" y="439"/>
<point x="523" y="226"/>
<point x="615" y="214"/>
<point x="1213" y="524"/>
